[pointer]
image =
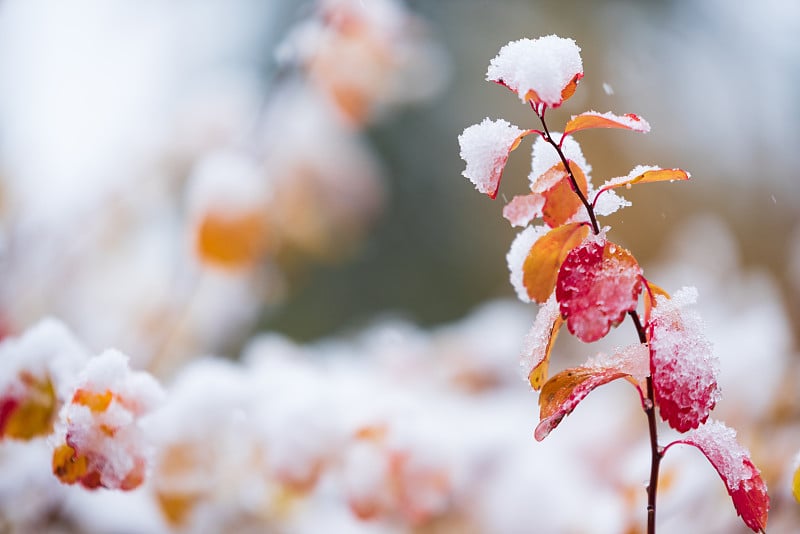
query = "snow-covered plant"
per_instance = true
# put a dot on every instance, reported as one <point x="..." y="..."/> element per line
<point x="582" y="279"/>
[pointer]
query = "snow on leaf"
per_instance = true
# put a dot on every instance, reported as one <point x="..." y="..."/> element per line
<point x="541" y="266"/>
<point x="544" y="158"/>
<point x="642" y="174"/>
<point x="27" y="410"/>
<point x="523" y="209"/>
<point x="539" y="342"/>
<point x="565" y="390"/>
<point x="732" y="461"/>
<point x="542" y="71"/>
<point x="517" y="256"/>
<point x="682" y="363"/>
<point x="485" y="148"/>
<point x="651" y="292"/>
<point x="598" y="283"/>
<point x="593" y="119"/>
<point x="796" y="482"/>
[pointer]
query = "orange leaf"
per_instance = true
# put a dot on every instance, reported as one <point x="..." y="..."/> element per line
<point x="593" y="119"/>
<point x="97" y="402"/>
<point x="561" y="201"/>
<point x="231" y="240"/>
<point x="642" y="174"/>
<point x="540" y="270"/>
<point x="69" y="466"/>
<point x="564" y="391"/>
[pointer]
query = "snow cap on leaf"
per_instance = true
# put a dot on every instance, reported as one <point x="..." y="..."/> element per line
<point x="485" y="148"/>
<point x="538" y="343"/>
<point x="682" y="362"/>
<point x="542" y="71"/>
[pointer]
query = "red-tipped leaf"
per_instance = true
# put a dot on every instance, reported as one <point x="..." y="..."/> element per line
<point x="593" y="119"/>
<point x="732" y="461"/>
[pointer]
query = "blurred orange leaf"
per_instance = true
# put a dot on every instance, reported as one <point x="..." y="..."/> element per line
<point x="541" y="266"/>
<point x="31" y="414"/>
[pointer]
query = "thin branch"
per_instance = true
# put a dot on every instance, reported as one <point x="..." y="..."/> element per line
<point x="557" y="146"/>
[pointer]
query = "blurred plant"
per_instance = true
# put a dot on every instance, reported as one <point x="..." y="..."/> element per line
<point x="579" y="277"/>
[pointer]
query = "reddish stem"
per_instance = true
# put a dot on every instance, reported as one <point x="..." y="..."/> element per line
<point x="557" y="146"/>
<point x="656" y="452"/>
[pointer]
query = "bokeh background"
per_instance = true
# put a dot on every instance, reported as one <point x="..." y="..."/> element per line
<point x="279" y="181"/>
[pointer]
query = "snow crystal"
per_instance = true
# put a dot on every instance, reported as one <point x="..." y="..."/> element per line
<point x="609" y="202"/>
<point x="544" y="157"/>
<point x="545" y="65"/>
<point x="534" y="346"/>
<point x="523" y="209"/>
<point x="519" y="250"/>
<point x="633" y="359"/>
<point x="718" y="443"/>
<point x="683" y="362"/>
<point x="485" y="148"/>
<point x="607" y="89"/>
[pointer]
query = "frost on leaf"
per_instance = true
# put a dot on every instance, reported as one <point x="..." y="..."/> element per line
<point x="544" y="158"/>
<point x="642" y="174"/>
<point x="485" y="148"/>
<point x="522" y="209"/>
<point x="517" y="255"/>
<point x="732" y="461"/>
<point x="542" y="71"/>
<point x="539" y="342"/>
<point x="593" y="119"/>
<point x="99" y="442"/>
<point x="598" y="283"/>
<point x="542" y="264"/>
<point x="682" y="363"/>
<point x="564" y="391"/>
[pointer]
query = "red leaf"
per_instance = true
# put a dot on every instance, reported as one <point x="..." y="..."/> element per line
<point x="542" y="264"/>
<point x="682" y="363"/>
<point x="593" y="119"/>
<point x="564" y="391"/>
<point x="599" y="282"/>
<point x="539" y="342"/>
<point x="732" y="461"/>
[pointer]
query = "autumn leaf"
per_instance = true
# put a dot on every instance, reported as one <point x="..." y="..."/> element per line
<point x="682" y="363"/>
<point x="593" y="119"/>
<point x="522" y="209"/>
<point x="30" y="411"/>
<point x="642" y="174"/>
<point x="598" y="283"/>
<point x="231" y="241"/>
<point x="538" y="343"/>
<point x="565" y="390"/>
<point x="741" y="477"/>
<point x="485" y="148"/>
<point x="541" y="266"/>
<point x="561" y="202"/>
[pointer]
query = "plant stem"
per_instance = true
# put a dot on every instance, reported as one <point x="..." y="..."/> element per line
<point x="549" y="138"/>
<point x="656" y="452"/>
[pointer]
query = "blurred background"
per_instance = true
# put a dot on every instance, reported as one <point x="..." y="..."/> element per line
<point x="180" y="177"/>
<point x="115" y="95"/>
